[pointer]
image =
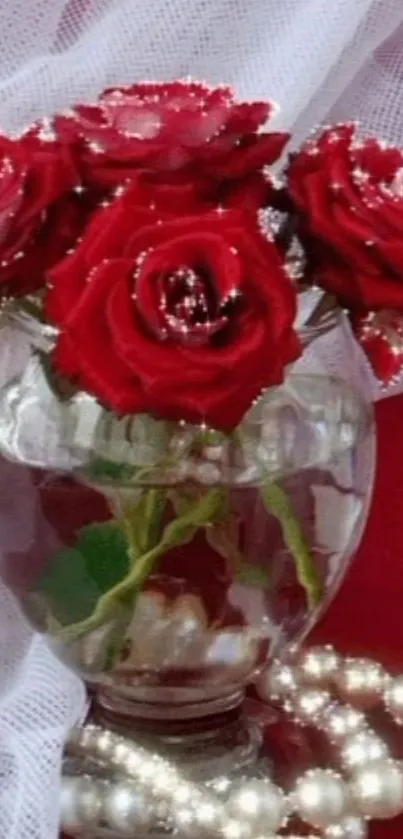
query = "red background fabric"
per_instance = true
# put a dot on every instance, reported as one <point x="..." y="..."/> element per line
<point x="366" y="617"/>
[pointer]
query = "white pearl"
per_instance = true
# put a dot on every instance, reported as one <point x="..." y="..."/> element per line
<point x="166" y="785"/>
<point x="307" y="704"/>
<point x="106" y="745"/>
<point x="80" y="804"/>
<point x="361" y="680"/>
<point x="351" y="827"/>
<point x="87" y="738"/>
<point x="260" y="802"/>
<point x="339" y="721"/>
<point x="318" y="665"/>
<point x="209" y="815"/>
<point x="145" y="770"/>
<point x="361" y="749"/>
<point x="186" y="822"/>
<point x="233" y="829"/>
<point x="182" y="794"/>
<point x="124" y="755"/>
<point x="394" y="698"/>
<point x="221" y="785"/>
<point x="198" y="820"/>
<point x="292" y="836"/>
<point x="125" y="808"/>
<point x="277" y="682"/>
<point x="321" y="797"/>
<point x="378" y="790"/>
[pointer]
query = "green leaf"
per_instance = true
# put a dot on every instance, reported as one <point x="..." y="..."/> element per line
<point x="78" y="576"/>
<point x="253" y="575"/>
<point x="70" y="593"/>
<point x="178" y="532"/>
<point x="105" y="550"/>
<point x="101" y="469"/>
<point x="278" y="504"/>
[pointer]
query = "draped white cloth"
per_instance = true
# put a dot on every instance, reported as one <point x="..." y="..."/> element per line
<point x="321" y="61"/>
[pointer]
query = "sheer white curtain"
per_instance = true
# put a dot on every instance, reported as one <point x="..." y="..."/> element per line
<point x="310" y="55"/>
<point x="319" y="60"/>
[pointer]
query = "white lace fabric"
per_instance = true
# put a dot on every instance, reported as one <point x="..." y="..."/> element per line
<point x="321" y="61"/>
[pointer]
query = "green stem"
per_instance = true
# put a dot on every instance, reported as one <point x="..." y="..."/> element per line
<point x="141" y="521"/>
<point x="279" y="505"/>
<point x="107" y="603"/>
<point x="177" y="532"/>
<point x="277" y="502"/>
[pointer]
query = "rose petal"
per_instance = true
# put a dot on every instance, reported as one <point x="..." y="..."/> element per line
<point x="350" y="217"/>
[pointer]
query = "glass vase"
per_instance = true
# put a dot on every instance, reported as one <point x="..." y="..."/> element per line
<point x="168" y="563"/>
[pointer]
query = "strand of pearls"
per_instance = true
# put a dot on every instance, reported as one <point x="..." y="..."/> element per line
<point x="337" y="805"/>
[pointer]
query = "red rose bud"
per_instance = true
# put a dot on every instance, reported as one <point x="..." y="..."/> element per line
<point x="381" y="336"/>
<point x="349" y="200"/>
<point x="170" y="308"/>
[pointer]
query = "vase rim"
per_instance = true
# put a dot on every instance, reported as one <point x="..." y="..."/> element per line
<point x="326" y="322"/>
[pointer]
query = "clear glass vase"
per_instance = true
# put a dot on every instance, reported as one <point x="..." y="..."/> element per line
<point x="168" y="563"/>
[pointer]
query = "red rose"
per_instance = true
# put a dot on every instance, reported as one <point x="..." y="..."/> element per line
<point x="168" y="128"/>
<point x="185" y="315"/>
<point x="350" y="198"/>
<point x="37" y="220"/>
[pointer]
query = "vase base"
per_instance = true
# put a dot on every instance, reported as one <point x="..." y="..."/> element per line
<point x="216" y="757"/>
<point x="169" y="711"/>
<point x="208" y="744"/>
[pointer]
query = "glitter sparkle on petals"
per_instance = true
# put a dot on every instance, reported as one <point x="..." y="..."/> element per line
<point x="349" y="198"/>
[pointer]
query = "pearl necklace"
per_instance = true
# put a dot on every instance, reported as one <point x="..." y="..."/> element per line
<point x="336" y="804"/>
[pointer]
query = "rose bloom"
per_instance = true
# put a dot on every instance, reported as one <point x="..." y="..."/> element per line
<point x="184" y="316"/>
<point x="349" y="196"/>
<point x="172" y="128"/>
<point x="39" y="212"/>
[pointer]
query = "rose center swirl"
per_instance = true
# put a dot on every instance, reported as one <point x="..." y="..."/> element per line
<point x="184" y="305"/>
<point x="188" y="303"/>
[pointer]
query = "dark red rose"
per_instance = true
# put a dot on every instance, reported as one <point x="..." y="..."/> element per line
<point x="350" y="197"/>
<point x="38" y="212"/>
<point x="166" y="128"/>
<point x="173" y="309"/>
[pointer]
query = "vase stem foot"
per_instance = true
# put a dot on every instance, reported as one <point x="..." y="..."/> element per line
<point x="214" y="752"/>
